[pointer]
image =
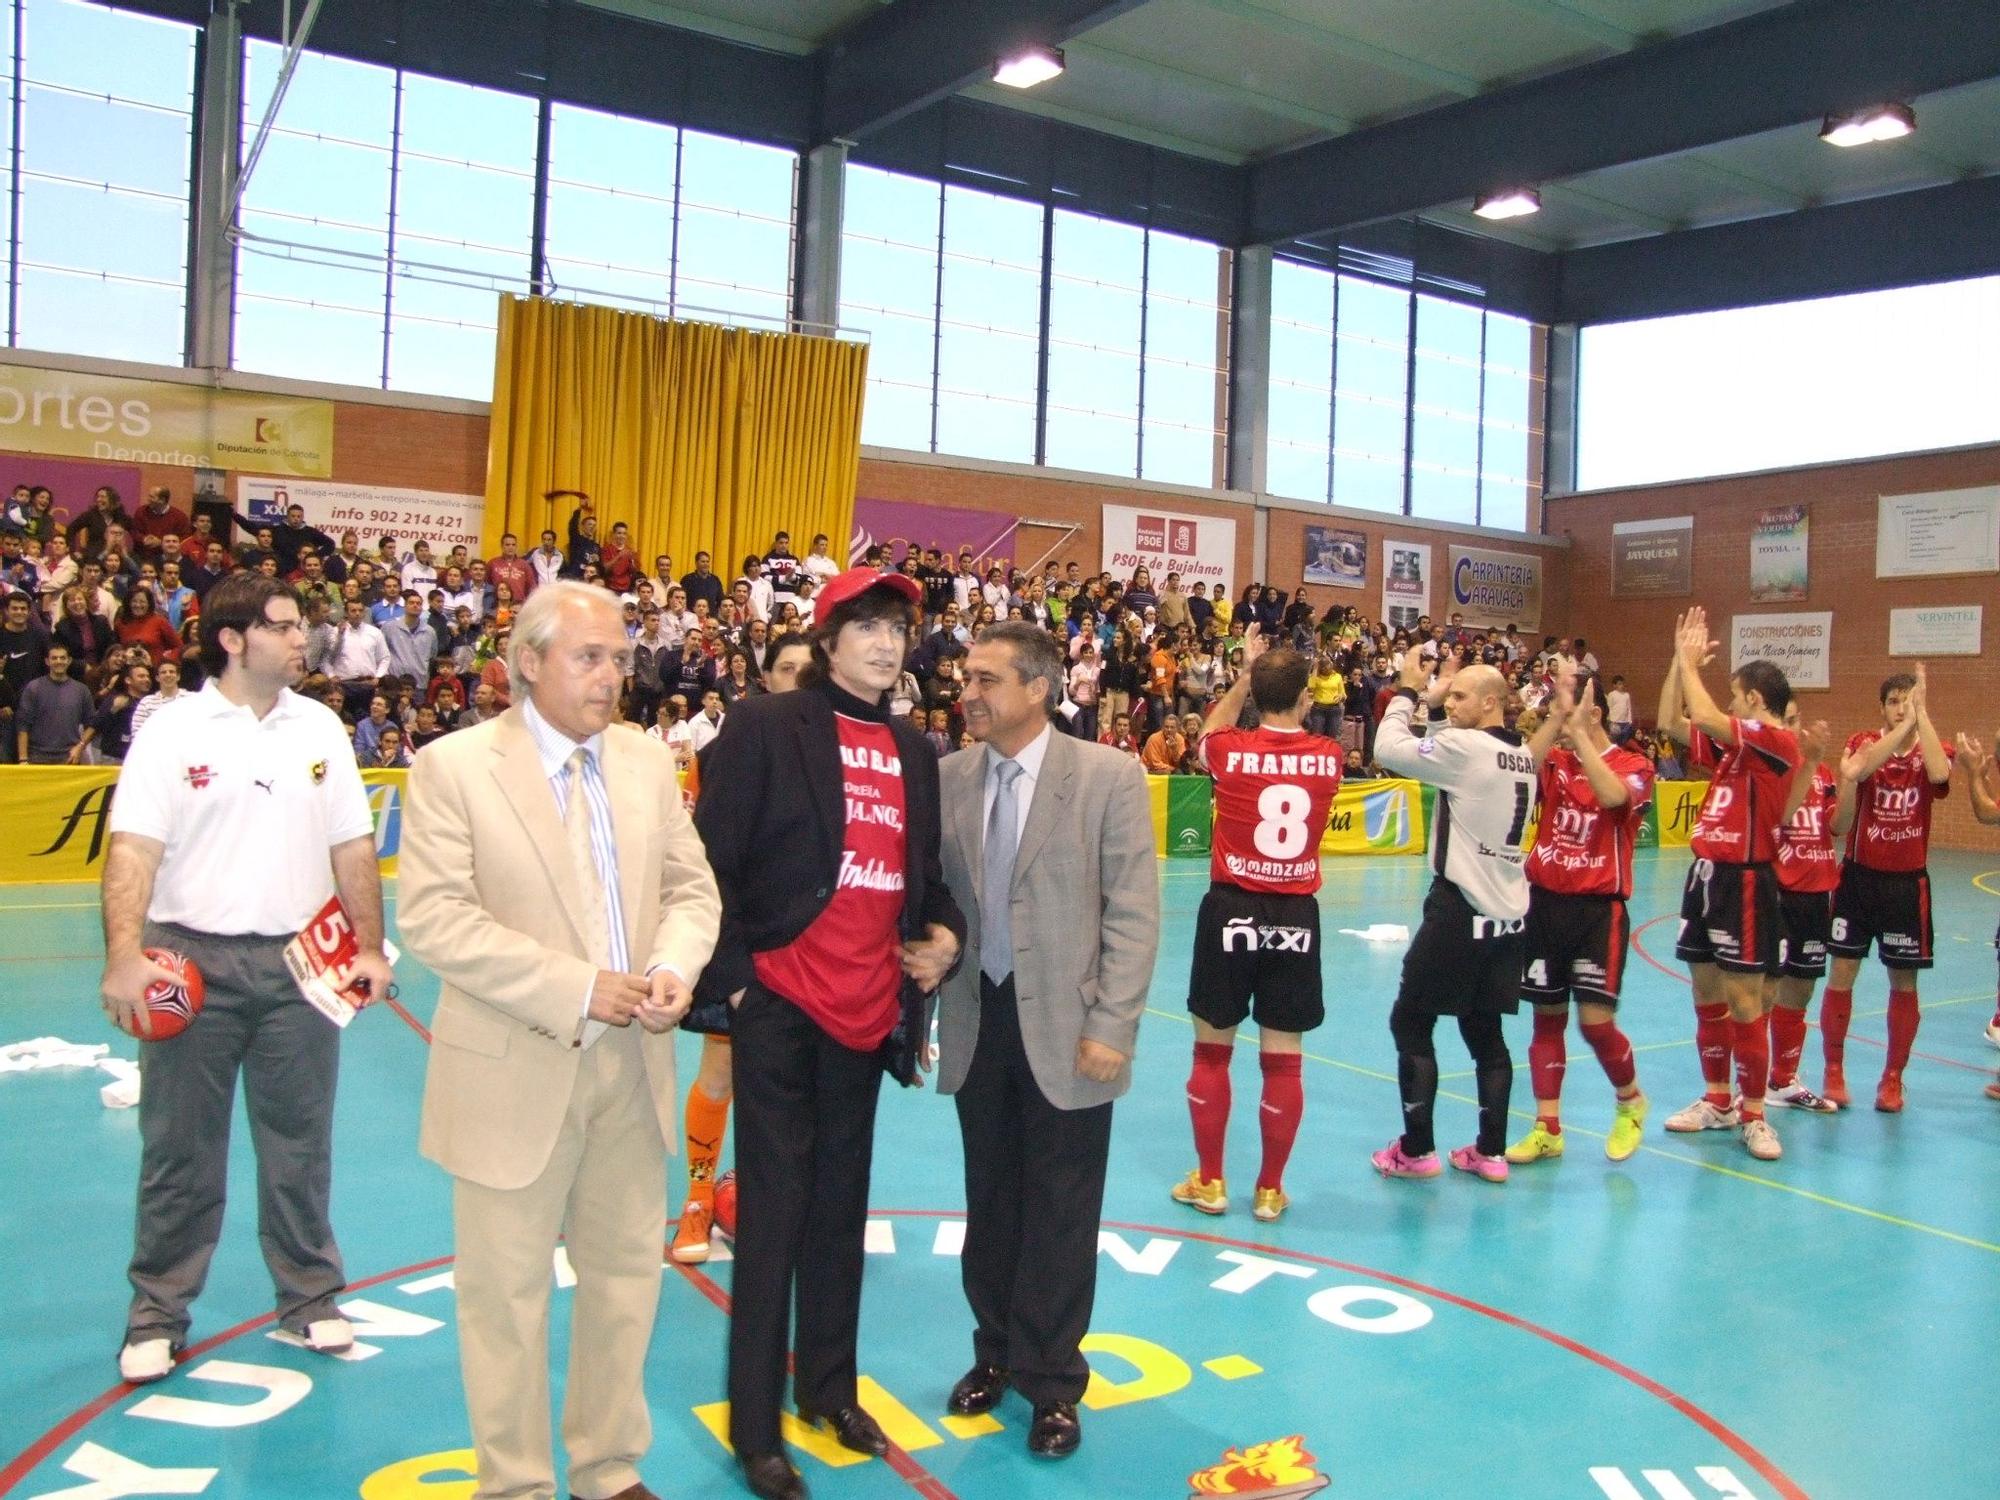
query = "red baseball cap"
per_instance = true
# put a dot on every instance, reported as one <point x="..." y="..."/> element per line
<point x="857" y="581"/>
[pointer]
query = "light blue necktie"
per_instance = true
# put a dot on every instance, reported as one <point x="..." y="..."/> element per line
<point x="996" y="907"/>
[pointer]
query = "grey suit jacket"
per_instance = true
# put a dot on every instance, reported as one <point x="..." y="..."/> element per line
<point x="1086" y="914"/>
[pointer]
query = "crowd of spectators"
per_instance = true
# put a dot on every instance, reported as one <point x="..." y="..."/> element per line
<point x="102" y="620"/>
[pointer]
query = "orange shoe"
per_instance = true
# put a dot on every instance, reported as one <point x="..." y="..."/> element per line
<point x="690" y="1245"/>
<point x="1834" y="1090"/>
<point x="1889" y="1094"/>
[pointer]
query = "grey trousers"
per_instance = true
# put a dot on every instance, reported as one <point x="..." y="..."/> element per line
<point x="255" y="1020"/>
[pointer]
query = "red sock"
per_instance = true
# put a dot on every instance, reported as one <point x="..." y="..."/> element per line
<point x="1548" y="1060"/>
<point x="1788" y="1043"/>
<point x="1712" y="1039"/>
<point x="1208" y="1103"/>
<point x="1752" y="1041"/>
<point x="1835" y="1011"/>
<point x="1283" y="1105"/>
<point x="1614" y="1052"/>
<point x="1903" y="1019"/>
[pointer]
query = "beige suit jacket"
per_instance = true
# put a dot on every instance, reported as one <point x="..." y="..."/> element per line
<point x="489" y="899"/>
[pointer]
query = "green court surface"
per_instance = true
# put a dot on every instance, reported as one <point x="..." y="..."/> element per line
<point x="1689" y="1324"/>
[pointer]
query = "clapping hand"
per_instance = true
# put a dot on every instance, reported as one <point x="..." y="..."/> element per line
<point x="1813" y="739"/>
<point x="1692" y="647"/>
<point x="1255" y="643"/>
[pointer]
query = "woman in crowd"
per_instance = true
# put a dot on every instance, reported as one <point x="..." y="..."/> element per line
<point x="87" y="634"/>
<point x="737" y="683"/>
<point x="1085" y="679"/>
<point x="140" y="623"/>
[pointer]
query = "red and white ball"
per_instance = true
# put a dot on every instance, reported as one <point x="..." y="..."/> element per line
<point x="172" y="1007"/>
<point x="725" y="1203"/>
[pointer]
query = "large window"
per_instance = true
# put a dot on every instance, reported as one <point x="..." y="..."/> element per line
<point x="385" y="216"/>
<point x="1795" y="383"/>
<point x="1396" y="401"/>
<point x="1134" y="348"/>
<point x="102" y="118"/>
<point x="669" y="221"/>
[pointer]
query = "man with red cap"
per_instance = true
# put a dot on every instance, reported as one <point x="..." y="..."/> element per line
<point x="820" y="815"/>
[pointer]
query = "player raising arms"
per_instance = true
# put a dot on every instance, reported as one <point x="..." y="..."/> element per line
<point x="1982" y="784"/>
<point x="1593" y="796"/>
<point x="1466" y="958"/>
<point x="1729" y="934"/>
<point x="1258" y="932"/>
<point x="1808" y="870"/>
<point x="1889" y="778"/>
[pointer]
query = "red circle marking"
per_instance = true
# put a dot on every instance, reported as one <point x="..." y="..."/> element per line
<point x="911" y="1472"/>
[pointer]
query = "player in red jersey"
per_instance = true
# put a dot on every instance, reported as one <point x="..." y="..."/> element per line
<point x="1889" y="779"/>
<point x="1257" y="936"/>
<point x="1730" y="937"/>
<point x="1982" y="784"/>
<point x="1593" y="797"/>
<point x="1808" y="870"/>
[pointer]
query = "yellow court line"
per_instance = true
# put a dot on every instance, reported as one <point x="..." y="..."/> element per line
<point x="1982" y="877"/>
<point x="1692" y="1161"/>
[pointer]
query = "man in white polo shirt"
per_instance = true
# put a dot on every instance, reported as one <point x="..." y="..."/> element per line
<point x="239" y="812"/>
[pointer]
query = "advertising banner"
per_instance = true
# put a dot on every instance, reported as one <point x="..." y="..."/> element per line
<point x="1801" y="644"/>
<point x="116" y="419"/>
<point x="371" y="511"/>
<point x="897" y="526"/>
<point x="1942" y="630"/>
<point x="1336" y="557"/>
<point x="1652" y="559"/>
<point x="1778" y="572"/>
<point x="1406" y="583"/>
<point x="1190" y="817"/>
<point x="1376" y="817"/>
<point x="74" y="483"/>
<point x="1945" y="531"/>
<point x="59" y="820"/>
<point x="1202" y="549"/>
<point x="1496" y="589"/>
<point x="1676" y="805"/>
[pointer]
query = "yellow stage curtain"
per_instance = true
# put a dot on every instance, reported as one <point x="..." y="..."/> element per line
<point x="698" y="437"/>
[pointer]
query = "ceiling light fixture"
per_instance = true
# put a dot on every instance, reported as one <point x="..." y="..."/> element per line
<point x="1879" y="122"/>
<point x="1028" y="67"/>
<point x="1510" y="203"/>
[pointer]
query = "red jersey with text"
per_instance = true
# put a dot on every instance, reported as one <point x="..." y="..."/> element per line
<point x="845" y="970"/>
<point x="1746" y="791"/>
<point x="1806" y="857"/>
<point x="1892" y="809"/>
<point x="1583" y="848"/>
<point x="1273" y="791"/>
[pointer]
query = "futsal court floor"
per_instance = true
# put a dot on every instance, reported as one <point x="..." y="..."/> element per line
<point x="1689" y="1324"/>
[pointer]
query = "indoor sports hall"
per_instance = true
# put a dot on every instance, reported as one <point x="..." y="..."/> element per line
<point x="1479" y="331"/>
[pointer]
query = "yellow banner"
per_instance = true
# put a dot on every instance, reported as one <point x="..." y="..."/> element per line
<point x="1376" y="817"/>
<point x="116" y="419"/>
<point x="1677" y="804"/>
<point x="58" y="820"/>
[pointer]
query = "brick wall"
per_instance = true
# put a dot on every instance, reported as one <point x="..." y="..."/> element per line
<point x="1632" y="636"/>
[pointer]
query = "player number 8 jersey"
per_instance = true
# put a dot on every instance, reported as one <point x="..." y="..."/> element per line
<point x="1273" y="791"/>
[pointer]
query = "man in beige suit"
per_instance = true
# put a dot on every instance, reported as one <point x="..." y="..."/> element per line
<point x="1036" y="1030"/>
<point x="552" y="878"/>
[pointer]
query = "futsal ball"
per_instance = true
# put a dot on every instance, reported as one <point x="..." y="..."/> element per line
<point x="174" y="1006"/>
<point x="725" y="1203"/>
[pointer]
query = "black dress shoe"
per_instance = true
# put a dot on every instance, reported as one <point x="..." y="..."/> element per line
<point x="978" y="1391"/>
<point x="772" y="1477"/>
<point x="854" y="1428"/>
<point x="1056" y="1431"/>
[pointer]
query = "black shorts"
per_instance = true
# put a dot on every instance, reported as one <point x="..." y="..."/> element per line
<point x="1574" y="944"/>
<point x="1890" y="907"/>
<point x="1729" y="918"/>
<point x="1254" y="945"/>
<point x="1462" y="963"/>
<point x="1808" y="919"/>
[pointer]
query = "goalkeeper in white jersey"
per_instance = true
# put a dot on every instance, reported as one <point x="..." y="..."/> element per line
<point x="1466" y="958"/>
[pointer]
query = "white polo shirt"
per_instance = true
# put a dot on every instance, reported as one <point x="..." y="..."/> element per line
<point x="247" y="808"/>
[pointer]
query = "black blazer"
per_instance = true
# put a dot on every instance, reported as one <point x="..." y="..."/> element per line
<point x="773" y="817"/>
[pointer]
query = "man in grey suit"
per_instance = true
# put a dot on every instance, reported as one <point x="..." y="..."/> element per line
<point x="1054" y="838"/>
